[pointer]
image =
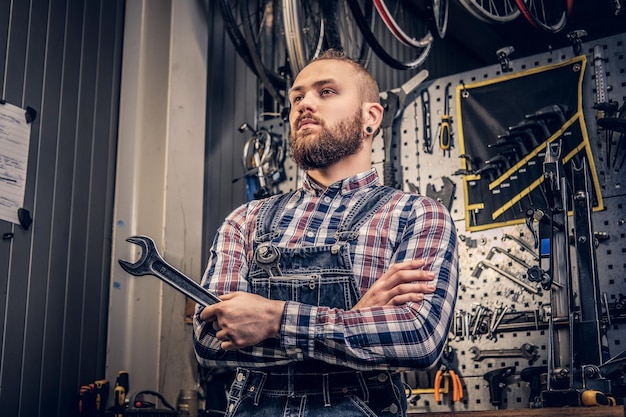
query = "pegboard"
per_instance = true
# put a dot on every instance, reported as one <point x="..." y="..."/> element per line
<point x="508" y="248"/>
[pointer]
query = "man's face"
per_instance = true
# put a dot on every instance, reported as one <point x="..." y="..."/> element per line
<point x="325" y="118"/>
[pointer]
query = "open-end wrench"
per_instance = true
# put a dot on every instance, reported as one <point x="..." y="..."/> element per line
<point x="151" y="263"/>
<point x="527" y="351"/>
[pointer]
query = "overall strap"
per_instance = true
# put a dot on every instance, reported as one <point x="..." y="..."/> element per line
<point x="267" y="220"/>
<point x="363" y="211"/>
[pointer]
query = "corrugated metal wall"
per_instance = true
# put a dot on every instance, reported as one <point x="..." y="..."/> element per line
<point x="62" y="58"/>
<point x="231" y="101"/>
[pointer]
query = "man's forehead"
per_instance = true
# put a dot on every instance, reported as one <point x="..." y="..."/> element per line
<point x="331" y="70"/>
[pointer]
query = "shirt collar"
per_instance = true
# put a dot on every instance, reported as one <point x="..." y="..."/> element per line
<point x="365" y="179"/>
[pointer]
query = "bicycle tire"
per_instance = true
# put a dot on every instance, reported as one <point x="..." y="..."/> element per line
<point x="313" y="26"/>
<point x="343" y="33"/>
<point x="550" y="16"/>
<point x="405" y="60"/>
<point x="304" y="26"/>
<point x="492" y="11"/>
<point x="439" y="22"/>
<point x="389" y="16"/>
<point x="240" y="26"/>
<point x="261" y="27"/>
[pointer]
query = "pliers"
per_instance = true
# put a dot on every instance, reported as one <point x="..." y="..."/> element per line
<point x="447" y="370"/>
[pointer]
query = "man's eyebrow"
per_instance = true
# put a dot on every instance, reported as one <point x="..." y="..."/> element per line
<point x="316" y="84"/>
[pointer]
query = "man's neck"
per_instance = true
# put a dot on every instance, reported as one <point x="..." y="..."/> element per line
<point x="343" y="169"/>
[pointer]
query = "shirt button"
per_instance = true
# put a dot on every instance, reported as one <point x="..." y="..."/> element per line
<point x="382" y="377"/>
<point x="240" y="377"/>
<point x="393" y="409"/>
<point x="310" y="234"/>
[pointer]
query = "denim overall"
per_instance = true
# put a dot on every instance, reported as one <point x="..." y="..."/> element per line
<point x="315" y="275"/>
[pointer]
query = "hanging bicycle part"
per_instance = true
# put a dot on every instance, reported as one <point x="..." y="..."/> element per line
<point x="407" y="42"/>
<point x="445" y="127"/>
<point x="493" y="11"/>
<point x="304" y="25"/>
<point x="548" y="15"/>
<point x="255" y="28"/>
<point x="263" y="156"/>
<point x="393" y="104"/>
<point x="439" y="19"/>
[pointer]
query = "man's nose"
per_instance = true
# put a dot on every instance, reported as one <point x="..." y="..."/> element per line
<point x="306" y="103"/>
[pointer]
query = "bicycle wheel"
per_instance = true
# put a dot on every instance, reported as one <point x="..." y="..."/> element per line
<point x="342" y="32"/>
<point x="262" y="30"/>
<point x="548" y="15"/>
<point x="439" y="21"/>
<point x="492" y="11"/>
<point x="407" y="43"/>
<point x="255" y="30"/>
<point x="305" y="26"/>
<point x="313" y="26"/>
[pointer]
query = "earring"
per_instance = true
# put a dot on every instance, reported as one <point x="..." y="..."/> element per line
<point x="369" y="129"/>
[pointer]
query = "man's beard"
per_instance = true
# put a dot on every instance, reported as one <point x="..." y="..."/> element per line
<point x="330" y="145"/>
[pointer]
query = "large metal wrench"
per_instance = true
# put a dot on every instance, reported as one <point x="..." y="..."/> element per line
<point x="527" y="351"/>
<point x="151" y="263"/>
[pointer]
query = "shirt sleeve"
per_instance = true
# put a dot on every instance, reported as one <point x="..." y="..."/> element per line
<point x="389" y="337"/>
<point x="227" y="272"/>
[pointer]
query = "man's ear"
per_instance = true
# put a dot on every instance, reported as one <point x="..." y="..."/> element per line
<point x="373" y="114"/>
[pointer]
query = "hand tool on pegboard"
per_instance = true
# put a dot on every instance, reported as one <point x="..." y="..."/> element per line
<point x="120" y="391"/>
<point x="445" y="127"/>
<point x="151" y="263"/>
<point x="446" y="195"/>
<point x="447" y="369"/>
<point x="497" y="382"/>
<point x="427" y="136"/>
<point x="393" y="103"/>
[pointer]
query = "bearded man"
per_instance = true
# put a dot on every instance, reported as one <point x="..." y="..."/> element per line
<point x="330" y="290"/>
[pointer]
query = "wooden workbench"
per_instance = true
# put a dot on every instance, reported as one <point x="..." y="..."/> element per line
<point x="534" y="412"/>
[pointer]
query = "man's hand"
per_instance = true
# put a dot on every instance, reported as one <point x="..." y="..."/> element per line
<point x="243" y="319"/>
<point x="403" y="282"/>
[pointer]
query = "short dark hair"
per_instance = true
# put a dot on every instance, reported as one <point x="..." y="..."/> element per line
<point x="370" y="91"/>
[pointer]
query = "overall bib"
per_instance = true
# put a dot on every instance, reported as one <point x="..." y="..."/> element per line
<point x="315" y="275"/>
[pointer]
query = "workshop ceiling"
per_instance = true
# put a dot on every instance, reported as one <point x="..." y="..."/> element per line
<point x="596" y="17"/>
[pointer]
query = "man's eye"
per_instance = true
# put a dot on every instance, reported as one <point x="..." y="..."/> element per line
<point x="326" y="92"/>
<point x="296" y="99"/>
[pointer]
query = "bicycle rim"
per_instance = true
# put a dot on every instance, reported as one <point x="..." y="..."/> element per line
<point x="343" y="33"/>
<point x="260" y="25"/>
<point x="492" y="11"/>
<point x="548" y="15"/>
<point x="439" y="9"/>
<point x="387" y="46"/>
<point x="304" y="27"/>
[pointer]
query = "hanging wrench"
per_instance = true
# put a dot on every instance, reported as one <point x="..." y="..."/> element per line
<point x="151" y="263"/>
<point x="527" y="351"/>
<point x="484" y="264"/>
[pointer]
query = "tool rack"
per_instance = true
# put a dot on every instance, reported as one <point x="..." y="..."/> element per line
<point x="509" y="315"/>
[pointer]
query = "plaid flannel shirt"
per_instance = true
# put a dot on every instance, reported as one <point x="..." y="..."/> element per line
<point x="386" y="337"/>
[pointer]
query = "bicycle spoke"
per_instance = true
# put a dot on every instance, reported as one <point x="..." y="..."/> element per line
<point x="548" y="15"/>
<point x="406" y="26"/>
<point x="342" y="32"/>
<point x="439" y="9"/>
<point x="492" y="11"/>
<point x="304" y="26"/>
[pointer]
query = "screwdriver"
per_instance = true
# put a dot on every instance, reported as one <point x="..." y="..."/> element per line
<point x="445" y="133"/>
<point x="120" y="391"/>
<point x="101" y="391"/>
